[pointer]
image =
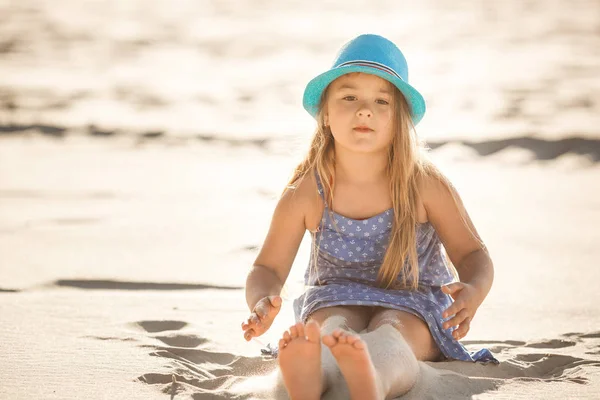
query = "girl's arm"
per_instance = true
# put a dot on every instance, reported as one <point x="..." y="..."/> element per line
<point x="447" y="214"/>
<point x="467" y="252"/>
<point x="274" y="261"/>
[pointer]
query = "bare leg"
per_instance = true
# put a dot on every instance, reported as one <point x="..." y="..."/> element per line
<point x="354" y="361"/>
<point x="414" y="330"/>
<point x="395" y="364"/>
<point x="300" y="361"/>
<point x="355" y="318"/>
<point x="397" y="340"/>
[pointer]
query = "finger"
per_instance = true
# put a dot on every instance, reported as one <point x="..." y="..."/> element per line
<point x="463" y="329"/>
<point x="262" y="308"/>
<point x="452" y="287"/>
<point x="275" y="301"/>
<point x="252" y="319"/>
<point x="248" y="320"/>
<point x="268" y="306"/>
<point x="457" y="319"/>
<point x="453" y="309"/>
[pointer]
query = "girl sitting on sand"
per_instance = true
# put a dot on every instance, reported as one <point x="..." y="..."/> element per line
<point x="380" y="294"/>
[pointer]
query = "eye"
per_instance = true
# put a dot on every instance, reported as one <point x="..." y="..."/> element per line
<point x="381" y="101"/>
<point x="349" y="98"/>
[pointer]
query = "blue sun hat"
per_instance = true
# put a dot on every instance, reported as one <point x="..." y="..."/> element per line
<point x="370" y="54"/>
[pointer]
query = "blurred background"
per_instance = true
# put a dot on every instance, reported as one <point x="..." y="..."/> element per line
<point x="222" y="69"/>
<point x="144" y="143"/>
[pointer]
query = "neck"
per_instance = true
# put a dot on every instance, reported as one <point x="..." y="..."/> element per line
<point x="360" y="168"/>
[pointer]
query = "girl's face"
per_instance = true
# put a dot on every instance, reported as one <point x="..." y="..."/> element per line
<point x="360" y="112"/>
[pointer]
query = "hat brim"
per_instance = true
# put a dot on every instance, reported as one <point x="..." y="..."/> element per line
<point x="314" y="89"/>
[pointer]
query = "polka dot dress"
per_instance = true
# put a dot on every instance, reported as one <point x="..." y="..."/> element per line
<point x="347" y="263"/>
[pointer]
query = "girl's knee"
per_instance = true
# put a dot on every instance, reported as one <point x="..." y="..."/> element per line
<point x="351" y="318"/>
<point x="334" y="322"/>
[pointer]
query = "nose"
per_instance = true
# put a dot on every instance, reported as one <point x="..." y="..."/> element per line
<point x="364" y="111"/>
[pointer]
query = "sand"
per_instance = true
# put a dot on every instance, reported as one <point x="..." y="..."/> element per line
<point x="133" y="199"/>
<point x="112" y="285"/>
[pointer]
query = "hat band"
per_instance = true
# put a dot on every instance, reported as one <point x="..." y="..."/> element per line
<point x="364" y="63"/>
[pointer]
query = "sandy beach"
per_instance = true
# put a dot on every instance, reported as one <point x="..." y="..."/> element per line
<point x="143" y="148"/>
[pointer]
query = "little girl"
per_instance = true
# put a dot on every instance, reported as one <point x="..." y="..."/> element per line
<point x="380" y="295"/>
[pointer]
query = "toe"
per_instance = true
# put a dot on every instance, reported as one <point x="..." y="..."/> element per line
<point x="329" y="341"/>
<point x="352" y="339"/>
<point x="358" y="344"/>
<point x="312" y="332"/>
<point x="294" y="332"/>
<point x="300" y="328"/>
<point x="286" y="336"/>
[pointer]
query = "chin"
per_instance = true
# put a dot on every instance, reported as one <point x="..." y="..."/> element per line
<point x="365" y="148"/>
<point x="363" y="144"/>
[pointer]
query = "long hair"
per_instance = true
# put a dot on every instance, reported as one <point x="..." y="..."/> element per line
<point x="408" y="164"/>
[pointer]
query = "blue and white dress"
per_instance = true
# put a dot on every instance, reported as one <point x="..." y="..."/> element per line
<point x="348" y="261"/>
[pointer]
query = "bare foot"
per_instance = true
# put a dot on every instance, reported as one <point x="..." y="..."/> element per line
<point x="355" y="364"/>
<point x="300" y="361"/>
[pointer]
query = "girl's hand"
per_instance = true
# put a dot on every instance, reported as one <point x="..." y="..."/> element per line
<point x="262" y="317"/>
<point x="467" y="300"/>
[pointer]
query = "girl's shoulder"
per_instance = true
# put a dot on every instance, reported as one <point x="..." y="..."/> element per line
<point x="303" y="195"/>
<point x="303" y="188"/>
<point x="434" y="190"/>
<point x="432" y="183"/>
<point x="439" y="196"/>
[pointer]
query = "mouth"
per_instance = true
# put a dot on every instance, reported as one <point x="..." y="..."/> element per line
<point x="362" y="129"/>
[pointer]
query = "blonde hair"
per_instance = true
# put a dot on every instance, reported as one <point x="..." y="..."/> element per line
<point x="408" y="163"/>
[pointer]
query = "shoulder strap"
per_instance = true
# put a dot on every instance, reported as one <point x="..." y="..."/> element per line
<point x="319" y="185"/>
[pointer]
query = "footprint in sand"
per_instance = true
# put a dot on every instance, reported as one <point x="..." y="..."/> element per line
<point x="494" y="346"/>
<point x="187" y="341"/>
<point x="171" y="339"/>
<point x="580" y="335"/>
<point x="193" y="369"/>
<point x="204" y="372"/>
<point x="594" y="335"/>
<point x="551" y="344"/>
<point x="160" y="326"/>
